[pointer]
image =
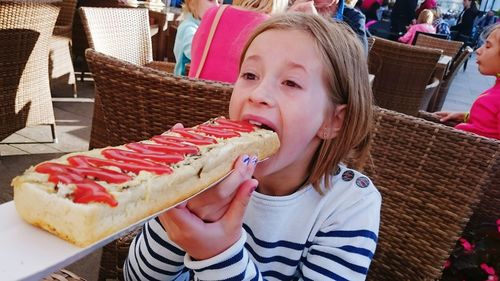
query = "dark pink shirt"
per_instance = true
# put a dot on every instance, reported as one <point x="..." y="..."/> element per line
<point x="234" y="29"/>
<point x="485" y="114"/>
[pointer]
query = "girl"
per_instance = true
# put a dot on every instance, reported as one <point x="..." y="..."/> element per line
<point x="232" y="31"/>
<point x="424" y="24"/>
<point x="193" y="11"/>
<point x="484" y="117"/>
<point x="311" y="217"/>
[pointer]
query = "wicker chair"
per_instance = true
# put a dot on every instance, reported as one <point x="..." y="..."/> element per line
<point x="371" y="41"/>
<point x="438" y="99"/>
<point x="131" y="42"/>
<point x="143" y="103"/>
<point x="430" y="176"/>
<point x="487" y="211"/>
<point x="449" y="47"/>
<point x="402" y="75"/>
<point x="61" y="61"/>
<point x="25" y="98"/>
<point x="63" y="275"/>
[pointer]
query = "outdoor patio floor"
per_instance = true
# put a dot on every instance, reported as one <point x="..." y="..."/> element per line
<point x="73" y="122"/>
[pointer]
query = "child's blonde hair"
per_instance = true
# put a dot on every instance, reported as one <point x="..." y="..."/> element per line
<point x="346" y="76"/>
<point x="190" y="6"/>
<point x="426" y="16"/>
<point x="488" y="31"/>
<point x="263" y="6"/>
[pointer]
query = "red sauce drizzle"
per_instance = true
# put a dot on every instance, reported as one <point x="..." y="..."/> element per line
<point x="82" y="171"/>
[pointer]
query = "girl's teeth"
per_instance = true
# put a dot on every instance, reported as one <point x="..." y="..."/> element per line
<point x="255" y="123"/>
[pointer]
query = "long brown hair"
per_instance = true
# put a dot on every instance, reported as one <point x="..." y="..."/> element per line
<point x="346" y="76"/>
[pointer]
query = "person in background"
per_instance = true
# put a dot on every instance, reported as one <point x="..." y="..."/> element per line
<point x="427" y="4"/>
<point x="424" y="24"/>
<point x="370" y="8"/>
<point x="465" y="22"/>
<point x="336" y="10"/>
<point x="357" y="21"/>
<point x="301" y="214"/>
<point x="402" y="15"/>
<point x="236" y="24"/>
<point x="442" y="27"/>
<point x="488" y="19"/>
<point x="484" y="116"/>
<point x="193" y="11"/>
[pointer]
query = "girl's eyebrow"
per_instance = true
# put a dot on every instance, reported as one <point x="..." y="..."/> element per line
<point x="297" y="65"/>
<point x="253" y="57"/>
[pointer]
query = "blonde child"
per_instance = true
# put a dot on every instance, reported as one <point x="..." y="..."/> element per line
<point x="484" y="117"/>
<point x="193" y="11"/>
<point x="424" y="24"/>
<point x="310" y="217"/>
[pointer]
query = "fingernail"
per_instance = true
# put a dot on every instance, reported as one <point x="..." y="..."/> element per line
<point x="254" y="160"/>
<point x="246" y="159"/>
<point x="252" y="190"/>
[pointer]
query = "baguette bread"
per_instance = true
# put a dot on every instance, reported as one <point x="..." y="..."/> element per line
<point x="84" y="197"/>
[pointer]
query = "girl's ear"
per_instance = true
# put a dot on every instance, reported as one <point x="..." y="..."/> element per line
<point x="332" y="125"/>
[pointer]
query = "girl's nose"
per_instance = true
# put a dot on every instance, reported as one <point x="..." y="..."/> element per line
<point x="262" y="94"/>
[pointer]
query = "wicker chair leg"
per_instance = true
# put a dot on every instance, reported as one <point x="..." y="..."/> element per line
<point x="53" y="131"/>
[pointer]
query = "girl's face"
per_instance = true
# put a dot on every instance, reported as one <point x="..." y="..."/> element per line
<point x="281" y="86"/>
<point x="488" y="56"/>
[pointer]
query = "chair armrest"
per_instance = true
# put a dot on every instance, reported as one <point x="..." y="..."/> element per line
<point x="429" y="92"/>
<point x="162" y="66"/>
<point x="433" y="118"/>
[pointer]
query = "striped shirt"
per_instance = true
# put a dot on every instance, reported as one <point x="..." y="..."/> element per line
<point x="302" y="236"/>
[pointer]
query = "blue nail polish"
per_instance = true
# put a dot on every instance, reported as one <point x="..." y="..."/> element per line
<point x="255" y="160"/>
<point x="246" y="159"/>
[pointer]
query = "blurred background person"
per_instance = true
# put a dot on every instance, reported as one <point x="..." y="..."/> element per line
<point x="427" y="4"/>
<point x="462" y="31"/>
<point x="402" y="15"/>
<point x="424" y="24"/>
<point x="442" y="26"/>
<point x="192" y="12"/>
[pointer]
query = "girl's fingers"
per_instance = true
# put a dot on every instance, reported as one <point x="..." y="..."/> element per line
<point x="234" y="215"/>
<point x="220" y="195"/>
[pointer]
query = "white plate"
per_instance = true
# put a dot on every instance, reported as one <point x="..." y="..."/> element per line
<point x="30" y="253"/>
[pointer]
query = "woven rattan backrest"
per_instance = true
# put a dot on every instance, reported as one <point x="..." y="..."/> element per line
<point x="430" y="177"/>
<point x="67" y="13"/>
<point x="119" y="32"/>
<point x="439" y="98"/>
<point x="139" y="102"/>
<point x="401" y="74"/>
<point x="24" y="79"/>
<point x="449" y="47"/>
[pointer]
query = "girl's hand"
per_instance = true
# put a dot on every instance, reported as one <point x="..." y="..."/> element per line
<point x="211" y="205"/>
<point x="203" y="240"/>
<point x="450" y="116"/>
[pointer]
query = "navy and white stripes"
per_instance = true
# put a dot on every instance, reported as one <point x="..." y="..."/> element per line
<point x="303" y="236"/>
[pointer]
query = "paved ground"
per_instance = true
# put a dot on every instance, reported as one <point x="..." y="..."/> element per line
<point x="73" y="120"/>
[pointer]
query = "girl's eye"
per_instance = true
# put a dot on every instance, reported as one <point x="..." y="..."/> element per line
<point x="290" y="83"/>
<point x="249" y="76"/>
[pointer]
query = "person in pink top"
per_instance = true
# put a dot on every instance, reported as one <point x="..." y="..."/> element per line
<point x="484" y="116"/>
<point x="233" y="30"/>
<point x="424" y="24"/>
<point x="427" y="4"/>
